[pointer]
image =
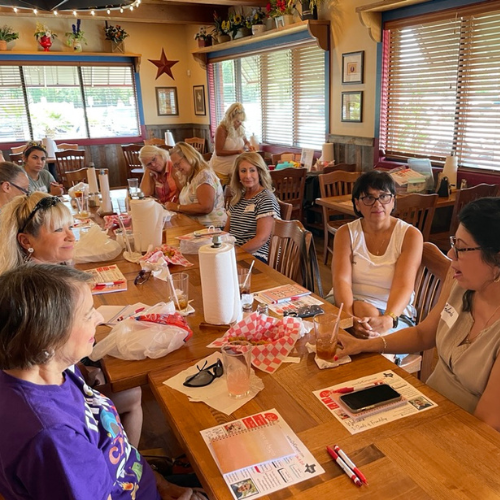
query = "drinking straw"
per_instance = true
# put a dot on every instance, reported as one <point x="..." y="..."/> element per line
<point x="171" y="281"/>
<point x="125" y="235"/>
<point x="335" y="327"/>
<point x="248" y="275"/>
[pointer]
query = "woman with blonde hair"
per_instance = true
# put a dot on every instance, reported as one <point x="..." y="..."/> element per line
<point x="159" y="179"/>
<point x="253" y="205"/>
<point x="201" y="197"/>
<point x="230" y="141"/>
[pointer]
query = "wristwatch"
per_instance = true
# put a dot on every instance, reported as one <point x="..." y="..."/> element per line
<point x="395" y="319"/>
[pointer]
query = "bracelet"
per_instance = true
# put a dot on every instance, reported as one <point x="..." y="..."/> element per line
<point x="178" y="207"/>
<point x="385" y="344"/>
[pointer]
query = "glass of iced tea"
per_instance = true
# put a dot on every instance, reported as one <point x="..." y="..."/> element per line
<point x="180" y="293"/>
<point x="326" y="329"/>
<point x="237" y="360"/>
<point x="82" y="202"/>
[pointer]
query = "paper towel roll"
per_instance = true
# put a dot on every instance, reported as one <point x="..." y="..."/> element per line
<point x="169" y="138"/>
<point x="219" y="284"/>
<point x="106" y="206"/>
<point x="147" y="223"/>
<point x="50" y="146"/>
<point x="327" y="151"/>
<point x="450" y="171"/>
<point x="92" y="180"/>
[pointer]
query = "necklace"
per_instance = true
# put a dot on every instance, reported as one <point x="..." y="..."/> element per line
<point x="468" y="340"/>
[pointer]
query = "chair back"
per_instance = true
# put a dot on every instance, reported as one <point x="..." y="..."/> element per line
<point x="198" y="143"/>
<point x="289" y="185"/>
<point x="285" y="210"/>
<point x="207" y="156"/>
<point x="467" y="195"/>
<point x="337" y="183"/>
<point x="65" y="146"/>
<point x="154" y="141"/>
<point x="66" y="161"/>
<point x="131" y="155"/>
<point x="287" y="156"/>
<point x="16" y="158"/>
<point x="345" y="167"/>
<point x="417" y="210"/>
<point x="76" y="176"/>
<point x="18" y="150"/>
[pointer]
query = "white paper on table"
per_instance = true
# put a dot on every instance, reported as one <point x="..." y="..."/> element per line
<point x="113" y="314"/>
<point x="215" y="394"/>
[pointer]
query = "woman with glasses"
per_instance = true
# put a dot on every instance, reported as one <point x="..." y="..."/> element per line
<point x="13" y="182"/>
<point x="465" y="324"/>
<point x="375" y="260"/>
<point x="201" y="197"/>
<point x="158" y="179"/>
<point x="40" y="179"/>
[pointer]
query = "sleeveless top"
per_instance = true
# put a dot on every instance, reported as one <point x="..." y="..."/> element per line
<point x="224" y="164"/>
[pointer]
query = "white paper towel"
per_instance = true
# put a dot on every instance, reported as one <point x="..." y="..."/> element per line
<point x="169" y="138"/>
<point x="92" y="180"/>
<point x="450" y="171"/>
<point x="327" y="151"/>
<point x="50" y="146"/>
<point x="106" y="206"/>
<point x="147" y="223"/>
<point x="219" y="284"/>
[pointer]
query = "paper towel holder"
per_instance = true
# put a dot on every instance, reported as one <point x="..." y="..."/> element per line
<point x="216" y="241"/>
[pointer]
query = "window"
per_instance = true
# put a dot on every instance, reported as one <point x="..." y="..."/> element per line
<point x="283" y="92"/>
<point x="442" y="88"/>
<point x="67" y="102"/>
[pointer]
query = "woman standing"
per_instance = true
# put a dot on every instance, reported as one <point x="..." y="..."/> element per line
<point x="253" y="205"/>
<point x="13" y="182"/>
<point x="158" y="179"/>
<point x="201" y="197"/>
<point x="230" y="141"/>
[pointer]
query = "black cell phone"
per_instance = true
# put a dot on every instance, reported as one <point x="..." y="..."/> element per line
<point x="366" y="399"/>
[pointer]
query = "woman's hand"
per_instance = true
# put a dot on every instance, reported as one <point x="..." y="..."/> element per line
<point x="349" y="345"/>
<point x="371" y="326"/>
<point x="171" y="206"/>
<point x="56" y="189"/>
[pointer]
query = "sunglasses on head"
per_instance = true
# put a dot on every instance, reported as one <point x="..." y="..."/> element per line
<point x="43" y="204"/>
<point x="205" y="376"/>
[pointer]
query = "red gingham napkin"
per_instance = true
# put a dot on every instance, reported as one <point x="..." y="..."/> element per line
<point x="111" y="221"/>
<point x="280" y="337"/>
<point x="171" y="254"/>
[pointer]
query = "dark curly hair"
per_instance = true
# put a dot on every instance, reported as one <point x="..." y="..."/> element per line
<point x="375" y="179"/>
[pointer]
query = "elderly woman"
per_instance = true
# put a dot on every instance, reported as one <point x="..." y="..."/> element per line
<point x="13" y="182"/>
<point x="465" y="324"/>
<point x="158" y="179"/>
<point x="375" y="259"/>
<point x="39" y="228"/>
<point x="253" y="205"/>
<point x="34" y="157"/>
<point x="201" y="197"/>
<point x="230" y="141"/>
<point x="64" y="439"/>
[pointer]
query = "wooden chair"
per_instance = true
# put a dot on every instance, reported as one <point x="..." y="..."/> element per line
<point x="285" y="210"/>
<point x="155" y="141"/>
<point x="334" y="184"/>
<point x="418" y="210"/>
<point x="289" y="185"/>
<point x="464" y="196"/>
<point x="276" y="158"/>
<point x="66" y="161"/>
<point x="164" y="146"/>
<point x="76" y="176"/>
<point x="345" y="167"/>
<point x="18" y="150"/>
<point x="16" y="158"/>
<point x="66" y="146"/>
<point x="198" y="143"/>
<point x="134" y="165"/>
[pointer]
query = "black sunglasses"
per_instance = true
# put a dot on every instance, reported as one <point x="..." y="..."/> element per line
<point x="23" y="190"/>
<point x="43" y="204"/>
<point x="142" y="277"/>
<point x="205" y="376"/>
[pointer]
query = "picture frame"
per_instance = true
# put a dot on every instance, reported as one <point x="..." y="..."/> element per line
<point x="352" y="67"/>
<point x="352" y="106"/>
<point x="166" y="101"/>
<point x="199" y="100"/>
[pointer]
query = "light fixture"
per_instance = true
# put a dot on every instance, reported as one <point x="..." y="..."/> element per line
<point x="121" y="10"/>
<point x="15" y="10"/>
<point x="92" y="12"/>
<point x="35" y="12"/>
<point x="108" y="12"/>
<point x="74" y="13"/>
<point x="58" y="7"/>
<point x="55" y="13"/>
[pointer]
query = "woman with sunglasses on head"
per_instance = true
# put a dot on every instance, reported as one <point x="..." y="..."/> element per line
<point x="13" y="182"/>
<point x="159" y="179"/>
<point x="465" y="324"/>
<point x="376" y="259"/>
<point x="34" y="157"/>
<point x="201" y="197"/>
<point x="38" y="228"/>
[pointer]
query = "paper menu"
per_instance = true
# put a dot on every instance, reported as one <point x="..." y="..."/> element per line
<point x="283" y="293"/>
<point x="107" y="279"/>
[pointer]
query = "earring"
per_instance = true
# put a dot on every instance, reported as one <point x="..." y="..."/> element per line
<point x="28" y="256"/>
<point x="497" y="279"/>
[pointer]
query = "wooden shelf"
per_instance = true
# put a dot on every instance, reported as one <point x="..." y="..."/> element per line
<point x="318" y="30"/>
<point x="371" y="15"/>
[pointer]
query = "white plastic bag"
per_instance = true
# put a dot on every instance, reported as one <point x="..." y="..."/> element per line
<point x="96" y="246"/>
<point x="81" y="186"/>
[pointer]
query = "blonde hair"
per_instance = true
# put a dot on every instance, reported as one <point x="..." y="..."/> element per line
<point x="14" y="216"/>
<point x="236" y="110"/>
<point x="264" y="176"/>
<point x="193" y="157"/>
<point x="147" y="152"/>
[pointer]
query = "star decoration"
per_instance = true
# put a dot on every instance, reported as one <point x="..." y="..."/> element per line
<point x="164" y="65"/>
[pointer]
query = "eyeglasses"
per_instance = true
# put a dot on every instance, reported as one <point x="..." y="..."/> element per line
<point x="142" y="277"/>
<point x="453" y="243"/>
<point x="23" y="190"/>
<point x="205" y="376"/>
<point x="43" y="204"/>
<point x="370" y="200"/>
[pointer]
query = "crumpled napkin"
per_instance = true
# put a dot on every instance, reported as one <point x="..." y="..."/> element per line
<point x="322" y="364"/>
<point x="215" y="394"/>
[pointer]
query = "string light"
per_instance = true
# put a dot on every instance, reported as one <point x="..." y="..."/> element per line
<point x="109" y="12"/>
<point x="55" y="13"/>
<point x="15" y="10"/>
<point x="74" y="13"/>
<point x="122" y="7"/>
<point x="131" y="7"/>
<point x="121" y="10"/>
<point x="92" y="12"/>
<point x="35" y="12"/>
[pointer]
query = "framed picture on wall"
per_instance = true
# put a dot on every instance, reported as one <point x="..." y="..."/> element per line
<point x="199" y="100"/>
<point x="352" y="107"/>
<point x="166" y="101"/>
<point x="352" y="67"/>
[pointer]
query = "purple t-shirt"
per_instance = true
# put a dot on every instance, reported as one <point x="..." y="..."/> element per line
<point x="66" y="442"/>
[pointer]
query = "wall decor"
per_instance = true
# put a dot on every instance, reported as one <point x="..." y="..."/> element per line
<point x="166" y="101"/>
<point x="352" y="67"/>
<point x="352" y="106"/>
<point x="163" y="65"/>
<point x="199" y="100"/>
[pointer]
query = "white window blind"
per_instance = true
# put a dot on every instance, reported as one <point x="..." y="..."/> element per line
<point x="442" y="90"/>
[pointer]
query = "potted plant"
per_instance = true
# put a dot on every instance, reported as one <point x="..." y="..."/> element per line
<point x="221" y="29"/>
<point x="239" y="26"/>
<point x="281" y="10"/>
<point x="257" y="20"/>
<point x="7" y="34"/>
<point x="76" y="37"/>
<point x="44" y="36"/>
<point x="116" y="35"/>
<point x="204" y="38"/>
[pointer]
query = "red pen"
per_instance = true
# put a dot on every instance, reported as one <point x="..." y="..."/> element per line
<point x="350" y="463"/>
<point x="355" y="479"/>
<point x="343" y="390"/>
<point x="109" y="283"/>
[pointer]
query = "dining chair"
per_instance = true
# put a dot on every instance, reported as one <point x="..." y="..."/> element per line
<point x="418" y="210"/>
<point x="66" y="161"/>
<point x="198" y="143"/>
<point x="345" y="167"/>
<point x="76" y="176"/>
<point x="289" y="185"/>
<point x="16" y="158"/>
<point x="131" y="155"/>
<point x="285" y="210"/>
<point x="337" y="183"/>
<point x="18" y="149"/>
<point x="66" y="146"/>
<point x="287" y="156"/>
<point x="155" y="141"/>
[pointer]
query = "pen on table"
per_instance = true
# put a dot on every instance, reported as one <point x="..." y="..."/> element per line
<point x="110" y="283"/>
<point x="355" y="479"/>
<point x="342" y="454"/>
<point x="287" y="299"/>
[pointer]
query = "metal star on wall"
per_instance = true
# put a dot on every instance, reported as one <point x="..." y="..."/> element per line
<point x="164" y="65"/>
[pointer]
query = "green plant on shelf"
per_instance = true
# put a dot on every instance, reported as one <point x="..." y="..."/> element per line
<point x="7" y="34"/>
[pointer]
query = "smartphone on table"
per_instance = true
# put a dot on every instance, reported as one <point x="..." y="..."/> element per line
<point x="369" y="398"/>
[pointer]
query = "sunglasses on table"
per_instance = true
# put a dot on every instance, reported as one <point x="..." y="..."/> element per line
<point x="142" y="277"/>
<point x="43" y="204"/>
<point x="205" y="376"/>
